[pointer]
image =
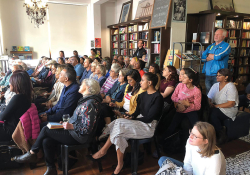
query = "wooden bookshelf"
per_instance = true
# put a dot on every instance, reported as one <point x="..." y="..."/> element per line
<point x="22" y="53"/>
<point x="206" y="22"/>
<point x="125" y="36"/>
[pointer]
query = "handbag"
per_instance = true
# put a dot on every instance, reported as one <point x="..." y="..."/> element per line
<point x="169" y="168"/>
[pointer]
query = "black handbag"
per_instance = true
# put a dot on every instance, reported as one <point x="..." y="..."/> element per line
<point x="6" y="153"/>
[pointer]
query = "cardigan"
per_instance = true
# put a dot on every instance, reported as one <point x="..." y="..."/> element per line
<point x="133" y="100"/>
<point x="31" y="122"/>
<point x="117" y="91"/>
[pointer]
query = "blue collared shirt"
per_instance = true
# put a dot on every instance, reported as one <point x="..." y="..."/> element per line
<point x="66" y="104"/>
<point x="79" y="69"/>
<point x="85" y="74"/>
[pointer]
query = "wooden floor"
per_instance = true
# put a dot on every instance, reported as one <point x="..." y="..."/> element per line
<point x="149" y="167"/>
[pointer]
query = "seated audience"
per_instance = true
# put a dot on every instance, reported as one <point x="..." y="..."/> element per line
<point x="6" y="80"/>
<point x="114" y="72"/>
<point x="154" y="68"/>
<point x="93" y="68"/>
<point x="187" y="101"/>
<point x="67" y="60"/>
<point x="244" y="99"/>
<point x="93" y="53"/>
<point x="223" y="99"/>
<point x="61" y="61"/>
<point x="77" y="131"/>
<point x="46" y="70"/>
<point x="82" y="60"/>
<point x="120" y="58"/>
<point x="75" y="61"/>
<point x="18" y="105"/>
<point x="40" y="67"/>
<point x="87" y="66"/>
<point x="75" y="53"/>
<point x="132" y="62"/>
<point x="126" y="103"/>
<point x="139" y="65"/>
<point x="85" y="56"/>
<point x="168" y="84"/>
<point x="127" y="61"/>
<point x="61" y="55"/>
<point x="139" y="125"/>
<point x="100" y="72"/>
<point x="68" y="99"/>
<point x="97" y="60"/>
<point x="202" y="155"/>
<point x="121" y="63"/>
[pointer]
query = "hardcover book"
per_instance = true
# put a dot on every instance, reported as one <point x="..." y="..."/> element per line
<point x="20" y="48"/>
<point x="14" y="48"/>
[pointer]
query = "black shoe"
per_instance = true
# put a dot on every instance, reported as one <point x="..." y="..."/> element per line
<point x="50" y="171"/>
<point x="222" y="137"/>
<point x="94" y="160"/>
<point x="25" y="158"/>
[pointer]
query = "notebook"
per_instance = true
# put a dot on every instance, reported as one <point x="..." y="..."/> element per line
<point x="54" y="125"/>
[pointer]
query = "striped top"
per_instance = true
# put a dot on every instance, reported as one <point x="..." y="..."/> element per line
<point x="107" y="85"/>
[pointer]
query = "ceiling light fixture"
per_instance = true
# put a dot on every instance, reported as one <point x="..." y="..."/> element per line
<point x="36" y="11"/>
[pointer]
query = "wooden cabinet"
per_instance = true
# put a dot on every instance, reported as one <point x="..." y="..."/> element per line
<point x="23" y="55"/>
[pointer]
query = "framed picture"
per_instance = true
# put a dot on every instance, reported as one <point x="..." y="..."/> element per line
<point x="125" y="12"/>
<point x="144" y="8"/>
<point x="179" y="11"/>
<point x="224" y="5"/>
<point x="92" y="43"/>
<point x="98" y="43"/>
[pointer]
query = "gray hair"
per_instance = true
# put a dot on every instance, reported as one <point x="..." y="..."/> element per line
<point x="93" y="86"/>
<point x="19" y="67"/>
<point x="124" y="71"/>
<point x="94" y="64"/>
<point x="116" y="67"/>
<point x="25" y="67"/>
<point x="102" y="69"/>
<point x="224" y="32"/>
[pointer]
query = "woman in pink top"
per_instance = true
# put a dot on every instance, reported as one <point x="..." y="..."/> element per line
<point x="187" y="100"/>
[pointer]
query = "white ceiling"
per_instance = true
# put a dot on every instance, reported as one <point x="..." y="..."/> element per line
<point x="76" y="2"/>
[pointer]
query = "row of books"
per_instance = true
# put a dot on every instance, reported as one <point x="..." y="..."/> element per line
<point x="232" y="43"/>
<point x="131" y="52"/>
<point x="143" y="35"/>
<point x="115" y="31"/>
<point x="115" y="38"/>
<point x="145" y="44"/>
<point x="132" y="28"/>
<point x="157" y="60"/>
<point x="245" y="34"/>
<point x="124" y="52"/>
<point x="123" y="37"/>
<point x="20" y="48"/>
<point x="243" y="78"/>
<point x="157" y="36"/>
<point x="156" y="48"/>
<point x="123" y="45"/>
<point x="143" y="27"/>
<point x="25" y="57"/>
<point x="115" y="45"/>
<point x="246" y="25"/>
<point x="243" y="61"/>
<point x="231" y="24"/>
<point x="133" y="36"/>
<point x="244" y="52"/>
<point x="245" y="43"/>
<point x="133" y="45"/>
<point x="231" y="61"/>
<point x="243" y="70"/>
<point x="115" y="51"/>
<point x="233" y="52"/>
<point x="231" y="33"/>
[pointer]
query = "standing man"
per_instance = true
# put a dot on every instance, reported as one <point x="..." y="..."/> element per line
<point x="140" y="50"/>
<point x="215" y="58"/>
<point x="75" y="61"/>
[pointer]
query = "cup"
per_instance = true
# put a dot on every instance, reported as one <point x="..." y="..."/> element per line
<point x="66" y="117"/>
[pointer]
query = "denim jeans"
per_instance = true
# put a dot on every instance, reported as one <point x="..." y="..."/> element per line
<point x="209" y="82"/>
<point x="176" y="162"/>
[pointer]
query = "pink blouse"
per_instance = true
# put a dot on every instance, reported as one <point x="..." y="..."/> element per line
<point x="193" y="95"/>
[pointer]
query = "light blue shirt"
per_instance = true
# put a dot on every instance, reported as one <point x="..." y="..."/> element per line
<point x="79" y="69"/>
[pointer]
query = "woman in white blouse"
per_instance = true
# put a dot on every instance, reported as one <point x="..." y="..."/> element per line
<point x="223" y="98"/>
<point x="202" y="156"/>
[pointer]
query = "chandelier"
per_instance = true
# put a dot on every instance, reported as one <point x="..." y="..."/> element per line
<point x="36" y="11"/>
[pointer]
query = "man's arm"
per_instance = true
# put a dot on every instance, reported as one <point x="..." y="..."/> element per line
<point x="223" y="53"/>
<point x="204" y="55"/>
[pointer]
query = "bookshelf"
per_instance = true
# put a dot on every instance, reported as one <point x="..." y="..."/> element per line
<point x="125" y="36"/>
<point x="238" y="36"/>
<point x="23" y="55"/>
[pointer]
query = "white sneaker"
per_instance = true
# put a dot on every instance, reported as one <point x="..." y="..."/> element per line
<point x="105" y="132"/>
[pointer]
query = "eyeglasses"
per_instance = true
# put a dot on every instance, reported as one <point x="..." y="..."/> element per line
<point x="195" y="137"/>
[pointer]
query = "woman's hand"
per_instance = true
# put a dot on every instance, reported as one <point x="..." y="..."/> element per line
<point x="180" y="108"/>
<point x="111" y="104"/>
<point x="68" y="126"/>
<point x="128" y="117"/>
<point x="184" y="102"/>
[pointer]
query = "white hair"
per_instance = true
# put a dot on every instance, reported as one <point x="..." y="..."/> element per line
<point x="93" y="86"/>
<point x="116" y="67"/>
<point x="93" y="64"/>
<point x="224" y="32"/>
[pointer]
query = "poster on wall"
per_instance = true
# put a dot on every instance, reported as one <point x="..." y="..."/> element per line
<point x="179" y="10"/>
<point x="98" y="43"/>
<point x="144" y="8"/>
<point x="224" y="5"/>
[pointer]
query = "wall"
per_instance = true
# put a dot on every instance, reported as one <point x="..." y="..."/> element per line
<point x="107" y="18"/>
<point x="67" y="27"/>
